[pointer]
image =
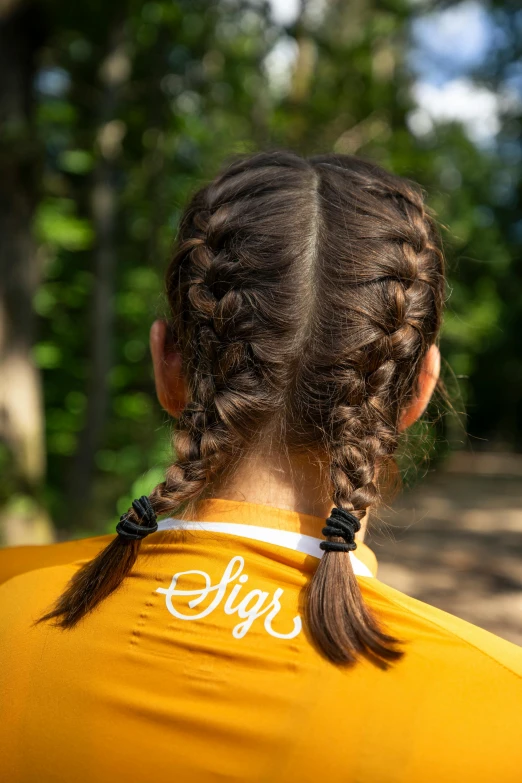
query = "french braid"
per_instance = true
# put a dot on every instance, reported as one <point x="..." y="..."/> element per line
<point x="304" y="297"/>
<point x="395" y="320"/>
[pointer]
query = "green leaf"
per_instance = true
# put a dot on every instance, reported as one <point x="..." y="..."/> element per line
<point x="57" y="225"/>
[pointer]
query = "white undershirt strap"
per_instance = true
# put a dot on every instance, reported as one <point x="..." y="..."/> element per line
<point x="284" y="538"/>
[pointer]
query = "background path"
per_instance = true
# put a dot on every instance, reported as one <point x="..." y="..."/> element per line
<point x="455" y="541"/>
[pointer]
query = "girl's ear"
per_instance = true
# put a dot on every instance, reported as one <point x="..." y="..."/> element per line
<point x="166" y="359"/>
<point x="428" y="378"/>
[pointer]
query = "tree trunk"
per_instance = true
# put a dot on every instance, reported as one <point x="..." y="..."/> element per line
<point x="114" y="73"/>
<point x="21" y="410"/>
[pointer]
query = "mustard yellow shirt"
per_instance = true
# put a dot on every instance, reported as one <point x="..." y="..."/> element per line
<point x="199" y="669"/>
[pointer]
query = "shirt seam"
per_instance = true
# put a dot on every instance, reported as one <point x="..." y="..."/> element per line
<point x="455" y="635"/>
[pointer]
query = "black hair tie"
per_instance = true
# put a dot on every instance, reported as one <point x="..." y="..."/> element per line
<point x="340" y="524"/>
<point x="131" y="531"/>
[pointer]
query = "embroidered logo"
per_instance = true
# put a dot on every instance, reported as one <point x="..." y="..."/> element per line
<point x="248" y="608"/>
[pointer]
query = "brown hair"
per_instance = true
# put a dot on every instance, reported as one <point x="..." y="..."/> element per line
<point x="304" y="294"/>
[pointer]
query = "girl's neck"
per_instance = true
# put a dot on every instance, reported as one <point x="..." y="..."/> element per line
<point x="297" y="484"/>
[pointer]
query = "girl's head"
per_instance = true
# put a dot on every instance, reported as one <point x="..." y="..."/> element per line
<point x="305" y="296"/>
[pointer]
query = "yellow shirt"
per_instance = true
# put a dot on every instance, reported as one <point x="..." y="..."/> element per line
<point x="199" y="669"/>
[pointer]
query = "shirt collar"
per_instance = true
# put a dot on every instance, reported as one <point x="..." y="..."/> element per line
<point x="243" y="513"/>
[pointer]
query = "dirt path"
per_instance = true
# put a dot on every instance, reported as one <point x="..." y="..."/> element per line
<point x="455" y="541"/>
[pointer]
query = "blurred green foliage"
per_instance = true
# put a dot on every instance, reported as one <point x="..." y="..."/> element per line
<point x="145" y="101"/>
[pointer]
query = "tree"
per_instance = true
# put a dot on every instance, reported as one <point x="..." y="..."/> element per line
<point x="21" y="414"/>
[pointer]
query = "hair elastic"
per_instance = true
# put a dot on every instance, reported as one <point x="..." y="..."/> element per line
<point x="130" y="530"/>
<point x="341" y="524"/>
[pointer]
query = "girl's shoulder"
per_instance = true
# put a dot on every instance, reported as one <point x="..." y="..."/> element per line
<point x="441" y="634"/>
<point x="16" y="560"/>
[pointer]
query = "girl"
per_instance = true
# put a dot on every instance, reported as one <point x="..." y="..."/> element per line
<point x="248" y="638"/>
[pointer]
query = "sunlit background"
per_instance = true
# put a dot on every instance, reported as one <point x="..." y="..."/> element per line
<point x="112" y="112"/>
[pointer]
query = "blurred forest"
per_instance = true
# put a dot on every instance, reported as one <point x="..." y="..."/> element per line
<point x="112" y="112"/>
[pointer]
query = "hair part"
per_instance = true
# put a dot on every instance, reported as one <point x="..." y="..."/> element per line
<point x="304" y="295"/>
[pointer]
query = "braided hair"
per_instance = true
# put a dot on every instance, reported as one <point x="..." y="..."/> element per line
<point x="304" y="296"/>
